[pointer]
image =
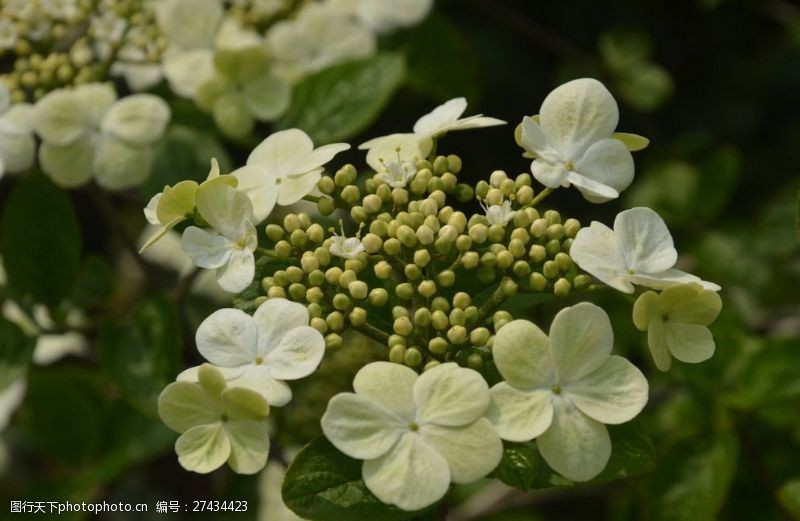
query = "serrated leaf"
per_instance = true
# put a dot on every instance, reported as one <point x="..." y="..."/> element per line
<point x="692" y="479"/>
<point x="322" y="484"/>
<point x="41" y="241"/>
<point x="142" y="357"/>
<point x="341" y="101"/>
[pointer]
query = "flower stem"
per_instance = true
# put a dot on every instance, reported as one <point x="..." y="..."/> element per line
<point x="373" y="332"/>
<point x="492" y="303"/>
<point x="541" y="197"/>
<point x="266" y="252"/>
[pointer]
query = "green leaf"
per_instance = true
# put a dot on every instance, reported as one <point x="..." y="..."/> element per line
<point x="16" y="352"/>
<point x="789" y="496"/>
<point x="524" y="468"/>
<point x="142" y="357"/>
<point x="322" y="484"/>
<point x="41" y="241"/>
<point x="797" y="218"/>
<point x="95" y="281"/>
<point x="692" y="479"/>
<point x="341" y="101"/>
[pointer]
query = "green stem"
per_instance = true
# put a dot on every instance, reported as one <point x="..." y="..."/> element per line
<point x="266" y="252"/>
<point x="492" y="303"/>
<point x="373" y="332"/>
<point x="541" y="197"/>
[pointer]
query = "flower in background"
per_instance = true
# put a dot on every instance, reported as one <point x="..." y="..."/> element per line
<point x="17" y="146"/>
<point x="382" y="16"/>
<point x="561" y="390"/>
<point x="639" y="250"/>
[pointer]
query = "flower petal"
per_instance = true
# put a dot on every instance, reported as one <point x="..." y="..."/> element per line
<point x="609" y="163"/>
<point x="592" y="190"/>
<point x="646" y="309"/>
<point x="522" y="354"/>
<point x="275" y="318"/>
<point x="279" y="152"/>
<point x="581" y="340"/>
<point x="385" y="148"/>
<point x="186" y="71"/>
<point x="471" y="452"/>
<point x="689" y="343"/>
<point x="361" y="427"/>
<point x="258" y="378"/>
<point x="450" y="395"/>
<point x="298" y="355"/>
<point x="59" y="118"/>
<point x="244" y="404"/>
<point x="69" y="165"/>
<point x="615" y="393"/>
<point x="669" y="278"/>
<point x="260" y="187"/>
<point x="577" y="114"/>
<point x="238" y="272"/>
<point x="267" y="97"/>
<point x="228" y="338"/>
<point x="318" y="157"/>
<point x="182" y="405"/>
<point x="691" y="304"/>
<point x="575" y="446"/>
<point x="520" y="415"/>
<point x="532" y="136"/>
<point x="225" y="208"/>
<point x="411" y="476"/>
<point x="292" y="189"/>
<point x="597" y="251"/>
<point x="249" y="441"/>
<point x="657" y="342"/>
<point x="207" y="250"/>
<point x="552" y="175"/>
<point x="118" y="165"/>
<point x="445" y="113"/>
<point x="645" y="240"/>
<point x="203" y="448"/>
<point x="391" y="385"/>
<point x="138" y="120"/>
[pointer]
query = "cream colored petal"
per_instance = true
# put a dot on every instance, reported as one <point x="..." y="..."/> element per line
<point x="657" y="342"/>
<point x="203" y="448"/>
<point x="450" y="395"/>
<point x="615" y="393"/>
<point x="520" y="415"/>
<point x="361" y="427"/>
<point x="391" y="385"/>
<point x="645" y="241"/>
<point x="471" y="452"/>
<point x="689" y="343"/>
<point x="581" y="340"/>
<point x="522" y="355"/>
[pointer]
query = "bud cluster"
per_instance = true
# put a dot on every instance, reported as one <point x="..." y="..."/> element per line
<point x="401" y="275"/>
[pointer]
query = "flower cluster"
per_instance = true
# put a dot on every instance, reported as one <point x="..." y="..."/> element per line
<point x="429" y="281"/>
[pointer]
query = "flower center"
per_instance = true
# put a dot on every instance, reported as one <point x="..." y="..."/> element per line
<point x="258" y="360"/>
<point x="556" y="389"/>
<point x="413" y="426"/>
<point x="631" y="271"/>
<point x="569" y="165"/>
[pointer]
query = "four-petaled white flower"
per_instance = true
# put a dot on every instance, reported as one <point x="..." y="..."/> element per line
<point x="676" y="322"/>
<point x="499" y="214"/>
<point x="284" y="168"/>
<point x="573" y="142"/>
<point x="398" y="173"/>
<point x="415" y="433"/>
<point x="418" y="144"/>
<point x="345" y="247"/>
<point x="229" y="246"/>
<point x="563" y="389"/>
<point x="261" y="351"/>
<point x="639" y="250"/>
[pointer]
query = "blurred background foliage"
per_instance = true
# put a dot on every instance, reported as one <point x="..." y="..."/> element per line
<point x="714" y="84"/>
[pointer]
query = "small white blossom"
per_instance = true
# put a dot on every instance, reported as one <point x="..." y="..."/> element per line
<point x="639" y="250"/>
<point x="397" y="174"/>
<point x="573" y="142"/>
<point x="499" y="215"/>
<point x="17" y="145"/>
<point x="561" y="390"/>
<point x="260" y="352"/>
<point x="416" y="434"/>
<point x="345" y="247"/>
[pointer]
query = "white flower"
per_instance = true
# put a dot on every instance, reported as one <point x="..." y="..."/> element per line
<point x="87" y="133"/>
<point x="261" y="351"/>
<point x="415" y="433"/>
<point x="383" y="16"/>
<point x="573" y="142"/>
<point x="676" y="322"/>
<point x="283" y="169"/>
<point x="17" y="145"/>
<point x="345" y="247"/>
<point x="229" y="246"/>
<point x="319" y="37"/>
<point x="499" y="214"/>
<point x="108" y="27"/>
<point x="398" y="173"/>
<point x="8" y="34"/>
<point x="639" y="250"/>
<point x="61" y="9"/>
<point x="417" y="145"/>
<point x="563" y="389"/>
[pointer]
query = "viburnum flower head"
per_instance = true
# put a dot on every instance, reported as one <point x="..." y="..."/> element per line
<point x="283" y="169"/>
<point x="217" y="422"/>
<point x="639" y="250"/>
<point x="229" y="245"/>
<point x="676" y="322"/>
<point x="561" y="390"/>
<point x="259" y="352"/>
<point x="573" y="144"/>
<point x="415" y="433"/>
<point x="418" y="144"/>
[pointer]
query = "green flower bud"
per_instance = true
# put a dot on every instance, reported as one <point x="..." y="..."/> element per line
<point x="537" y="282"/>
<point x="439" y="320"/>
<point x="341" y="301"/>
<point x="358" y="289"/>
<point x="446" y="278"/>
<point x="399" y="196"/>
<point x="392" y="246"/>
<point x="441" y="303"/>
<point x="314" y="295"/>
<point x="294" y="274"/>
<point x="333" y="341"/>
<point x="326" y="185"/>
<point x="524" y="195"/>
<point x="372" y="243"/>
<point x="521" y="268"/>
<point x="383" y="270"/>
<point x="305" y="220"/>
<point x="501" y="315"/>
<point x="413" y="357"/>
<point x="267" y="282"/>
<point x="427" y="288"/>
<point x="472" y="314"/>
<point x="437" y="345"/>
<point x="582" y="281"/>
<point x="422" y="258"/>
<point x="564" y="262"/>
<point x="347" y="276"/>
<point x="297" y="291"/>
<point x="358" y="316"/>
<point x="475" y="361"/>
<point x="470" y="260"/>
<point x="405" y="291"/>
<point x="494" y="196"/>
<point x="314" y="309"/>
<point x="539" y="228"/>
<point x="457" y="317"/>
<point x="458" y="221"/>
<point x="407" y="236"/>
<point x="298" y="239"/>
<point x="434" y="185"/>
<point x="555" y="231"/>
<point x="378" y="297"/>
<point x="425" y="235"/>
<point x="566" y="244"/>
<point x="319" y="324"/>
<point x="552" y="217"/>
<point x="464" y="193"/>
<point x="550" y="269"/>
<point x="516" y="247"/>
<point x="397" y="354"/>
<point x="496" y="233"/>
<point x="522" y="220"/>
<point x="457" y="335"/>
<point x="350" y="194"/>
<point x="280" y="278"/>
<point x="552" y="247"/>
<point x="454" y="163"/>
<point x="479" y="336"/>
<point x="443" y="246"/>
<point x="532" y="213"/>
<point x="508" y="187"/>
<point x="445" y="213"/>
<point x="432" y="222"/>
<point x="488" y="260"/>
<point x="276" y="292"/>
<point x="274" y="232"/>
<point x="372" y="203"/>
<point x="417" y="186"/>
<point x="461" y="300"/>
<point x="497" y="177"/>
<point x="395" y="339"/>
<point x="333" y="275"/>
<point x="358" y="214"/>
<point x="509" y="287"/>
<point x="463" y="243"/>
<point x="478" y="233"/>
<point x="440" y="165"/>
<point x="482" y="189"/>
<point x="429" y="207"/>
<point x="422" y="317"/>
<point x="291" y="222"/>
<point x="384" y="192"/>
<point x="571" y="227"/>
<point x="561" y="287"/>
<point x="412" y="272"/>
<point x="335" y="321"/>
<point x="326" y="206"/>
<point x="345" y="175"/>
<point x="378" y="228"/>
<point x="403" y="326"/>
<point x="370" y="185"/>
<point x="315" y="233"/>
<point x="283" y="249"/>
<point x="505" y="259"/>
<point x="523" y="179"/>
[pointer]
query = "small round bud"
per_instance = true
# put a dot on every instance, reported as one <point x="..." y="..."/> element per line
<point x="291" y="222"/>
<point x="552" y="217"/>
<point x="335" y="321"/>
<point x="501" y="315"/>
<point x="274" y="232"/>
<point x="539" y="228"/>
<point x="458" y="221"/>
<point x="564" y="262"/>
<point x="537" y="282"/>
<point x="422" y="317"/>
<point x="427" y="288"/>
<point x="341" y="301"/>
<point x="439" y="320"/>
<point x="482" y="189"/>
<point x="350" y="194"/>
<point x="412" y="357"/>
<point x="379" y="228"/>
<point x="555" y="231"/>
<point x="297" y="291"/>
<point x="457" y="317"/>
<point x="550" y="269"/>
<point x="508" y="187"/>
<point x="395" y="339"/>
<point x="422" y="258"/>
<point x="425" y="235"/>
<point x="315" y="233"/>
<point x="276" y="292"/>
<point x="464" y="193"/>
<point x="399" y="196"/>
<point x="314" y="295"/>
<point x="345" y="175"/>
<point x="475" y="361"/>
<point x="446" y="278"/>
<point x="383" y="270"/>
<point x="319" y="324"/>
<point x="437" y="345"/>
<point x="326" y="185"/>
<point x="384" y="192"/>
<point x="472" y="313"/>
<point x="372" y="203"/>
<point x="378" y="297"/>
<point x="429" y="207"/>
<point x="522" y="220"/>
<point x="323" y="255"/>
<point x="358" y="214"/>
<point x="403" y="326"/>
<point x="333" y="275"/>
<point x="496" y="233"/>
<point x="405" y="291"/>
<point x="478" y="233"/>
<point x="463" y="243"/>
<point x="454" y="163"/>
<point x="561" y="287"/>
<point x="517" y="248"/>
<point x="582" y="281"/>
<point x="283" y="249"/>
<point x="443" y="246"/>
<point x="572" y="227"/>
<point x="457" y="335"/>
<point x="347" y="276"/>
<point x="494" y="196"/>
<point x="314" y="310"/>
<point x="397" y="354"/>
<point x="479" y="336"/>
<point x="309" y="262"/>
<point x="358" y="317"/>
<point x="326" y="206"/>
<point x="461" y="300"/>
<point x="497" y="177"/>
<point x="504" y="259"/>
<point x="372" y="243"/>
<point x="406" y="236"/>
<point x="358" y="289"/>
<point x="553" y="246"/>
<point x="566" y="244"/>
<point x="521" y="268"/>
<point x="509" y="287"/>
<point x="412" y="272"/>
<point x="470" y="260"/>
<point x="441" y="304"/>
<point x="333" y="341"/>
<point x="392" y="246"/>
<point x="294" y="274"/>
<point x="440" y="165"/>
<point x="524" y="195"/>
